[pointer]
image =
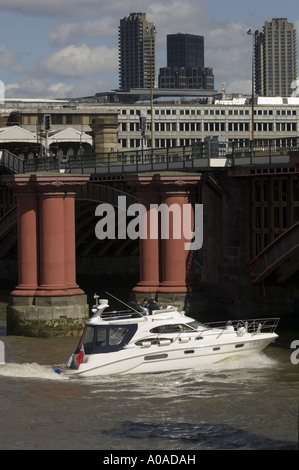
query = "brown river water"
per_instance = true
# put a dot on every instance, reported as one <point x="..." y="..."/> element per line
<point x="240" y="404"/>
<point x="250" y="404"/>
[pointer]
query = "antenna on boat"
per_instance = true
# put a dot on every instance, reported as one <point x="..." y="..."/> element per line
<point x="129" y="306"/>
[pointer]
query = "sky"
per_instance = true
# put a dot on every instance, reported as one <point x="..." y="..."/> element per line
<point x="69" y="48"/>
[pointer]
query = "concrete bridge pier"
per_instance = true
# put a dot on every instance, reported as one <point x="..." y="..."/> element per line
<point x="47" y="300"/>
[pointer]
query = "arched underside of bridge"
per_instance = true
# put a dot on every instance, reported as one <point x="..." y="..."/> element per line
<point x="279" y="261"/>
<point x="87" y="244"/>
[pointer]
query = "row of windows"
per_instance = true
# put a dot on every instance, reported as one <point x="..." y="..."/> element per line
<point x="159" y="143"/>
<point x="57" y="119"/>
<point x="213" y="112"/>
<point x="212" y="127"/>
<point x="79" y="119"/>
<point x="186" y="142"/>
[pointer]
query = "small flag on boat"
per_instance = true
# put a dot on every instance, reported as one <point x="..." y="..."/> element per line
<point x="80" y="357"/>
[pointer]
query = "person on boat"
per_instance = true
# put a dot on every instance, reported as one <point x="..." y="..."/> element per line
<point x="152" y="306"/>
<point x="145" y="304"/>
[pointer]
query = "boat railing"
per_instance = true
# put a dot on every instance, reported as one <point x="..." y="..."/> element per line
<point x="253" y="326"/>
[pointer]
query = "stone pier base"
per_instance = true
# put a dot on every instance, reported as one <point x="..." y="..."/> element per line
<point x="46" y="317"/>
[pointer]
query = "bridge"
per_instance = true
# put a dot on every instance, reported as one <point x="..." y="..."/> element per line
<point x="46" y="188"/>
<point x="199" y="157"/>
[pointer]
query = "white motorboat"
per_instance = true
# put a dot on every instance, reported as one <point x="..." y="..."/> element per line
<point x="132" y="341"/>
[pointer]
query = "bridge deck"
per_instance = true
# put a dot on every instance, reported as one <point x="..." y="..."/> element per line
<point x="195" y="158"/>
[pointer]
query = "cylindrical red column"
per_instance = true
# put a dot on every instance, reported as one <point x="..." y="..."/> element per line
<point x="177" y="263"/>
<point x="27" y="210"/>
<point x="52" y="244"/>
<point x="70" y="243"/>
<point x="46" y="234"/>
<point x="149" y="246"/>
<point x="166" y="264"/>
<point x="173" y="253"/>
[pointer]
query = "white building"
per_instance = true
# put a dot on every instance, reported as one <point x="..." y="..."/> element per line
<point x="170" y="123"/>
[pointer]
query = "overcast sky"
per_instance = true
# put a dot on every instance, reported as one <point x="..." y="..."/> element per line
<point x="69" y="48"/>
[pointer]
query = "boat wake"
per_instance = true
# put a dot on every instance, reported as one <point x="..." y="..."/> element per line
<point x="256" y="361"/>
<point x="30" y="371"/>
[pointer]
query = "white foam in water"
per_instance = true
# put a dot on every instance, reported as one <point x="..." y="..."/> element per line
<point x="256" y="361"/>
<point x="30" y="370"/>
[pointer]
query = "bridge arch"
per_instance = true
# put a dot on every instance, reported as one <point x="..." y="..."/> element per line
<point x="87" y="197"/>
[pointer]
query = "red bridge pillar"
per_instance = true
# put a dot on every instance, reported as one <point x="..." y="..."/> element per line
<point x="57" y="253"/>
<point x="27" y="210"/>
<point x="166" y="264"/>
<point x="47" y="301"/>
<point x="177" y="266"/>
<point x="149" y="247"/>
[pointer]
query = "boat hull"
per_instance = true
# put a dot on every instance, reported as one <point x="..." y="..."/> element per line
<point x="190" y="354"/>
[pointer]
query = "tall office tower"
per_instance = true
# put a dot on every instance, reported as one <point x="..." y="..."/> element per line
<point x="137" y="52"/>
<point x="185" y="64"/>
<point x="185" y="50"/>
<point x="275" y="58"/>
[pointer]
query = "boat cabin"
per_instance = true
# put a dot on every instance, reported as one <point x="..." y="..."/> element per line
<point x="98" y="339"/>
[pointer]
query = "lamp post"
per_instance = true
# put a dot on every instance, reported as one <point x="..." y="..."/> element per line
<point x="250" y="33"/>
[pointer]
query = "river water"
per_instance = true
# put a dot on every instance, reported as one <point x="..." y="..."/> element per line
<point x="242" y="404"/>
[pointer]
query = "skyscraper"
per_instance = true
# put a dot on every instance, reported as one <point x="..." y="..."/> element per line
<point x="275" y="65"/>
<point x="185" y="50"/>
<point x="185" y="64"/>
<point x="137" y="52"/>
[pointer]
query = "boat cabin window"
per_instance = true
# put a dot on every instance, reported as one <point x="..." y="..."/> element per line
<point x="196" y="325"/>
<point x="176" y="328"/>
<point x="107" y="338"/>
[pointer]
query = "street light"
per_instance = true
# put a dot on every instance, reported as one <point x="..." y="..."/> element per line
<point x="250" y="33"/>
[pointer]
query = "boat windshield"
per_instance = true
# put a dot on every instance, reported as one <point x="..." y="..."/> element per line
<point x="107" y="338"/>
<point x="197" y="325"/>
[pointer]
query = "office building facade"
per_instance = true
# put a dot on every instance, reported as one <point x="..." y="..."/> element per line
<point x="185" y="50"/>
<point x="137" y="52"/>
<point x="185" y="64"/>
<point x="275" y="66"/>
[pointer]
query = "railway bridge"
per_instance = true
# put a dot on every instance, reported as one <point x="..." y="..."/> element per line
<point x="250" y="200"/>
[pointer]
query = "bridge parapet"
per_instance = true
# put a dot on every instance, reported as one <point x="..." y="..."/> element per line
<point x="194" y="158"/>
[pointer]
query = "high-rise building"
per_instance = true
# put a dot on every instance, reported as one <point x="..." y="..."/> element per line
<point x="137" y="52"/>
<point x="275" y="65"/>
<point x="185" y="64"/>
<point x="185" y="50"/>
